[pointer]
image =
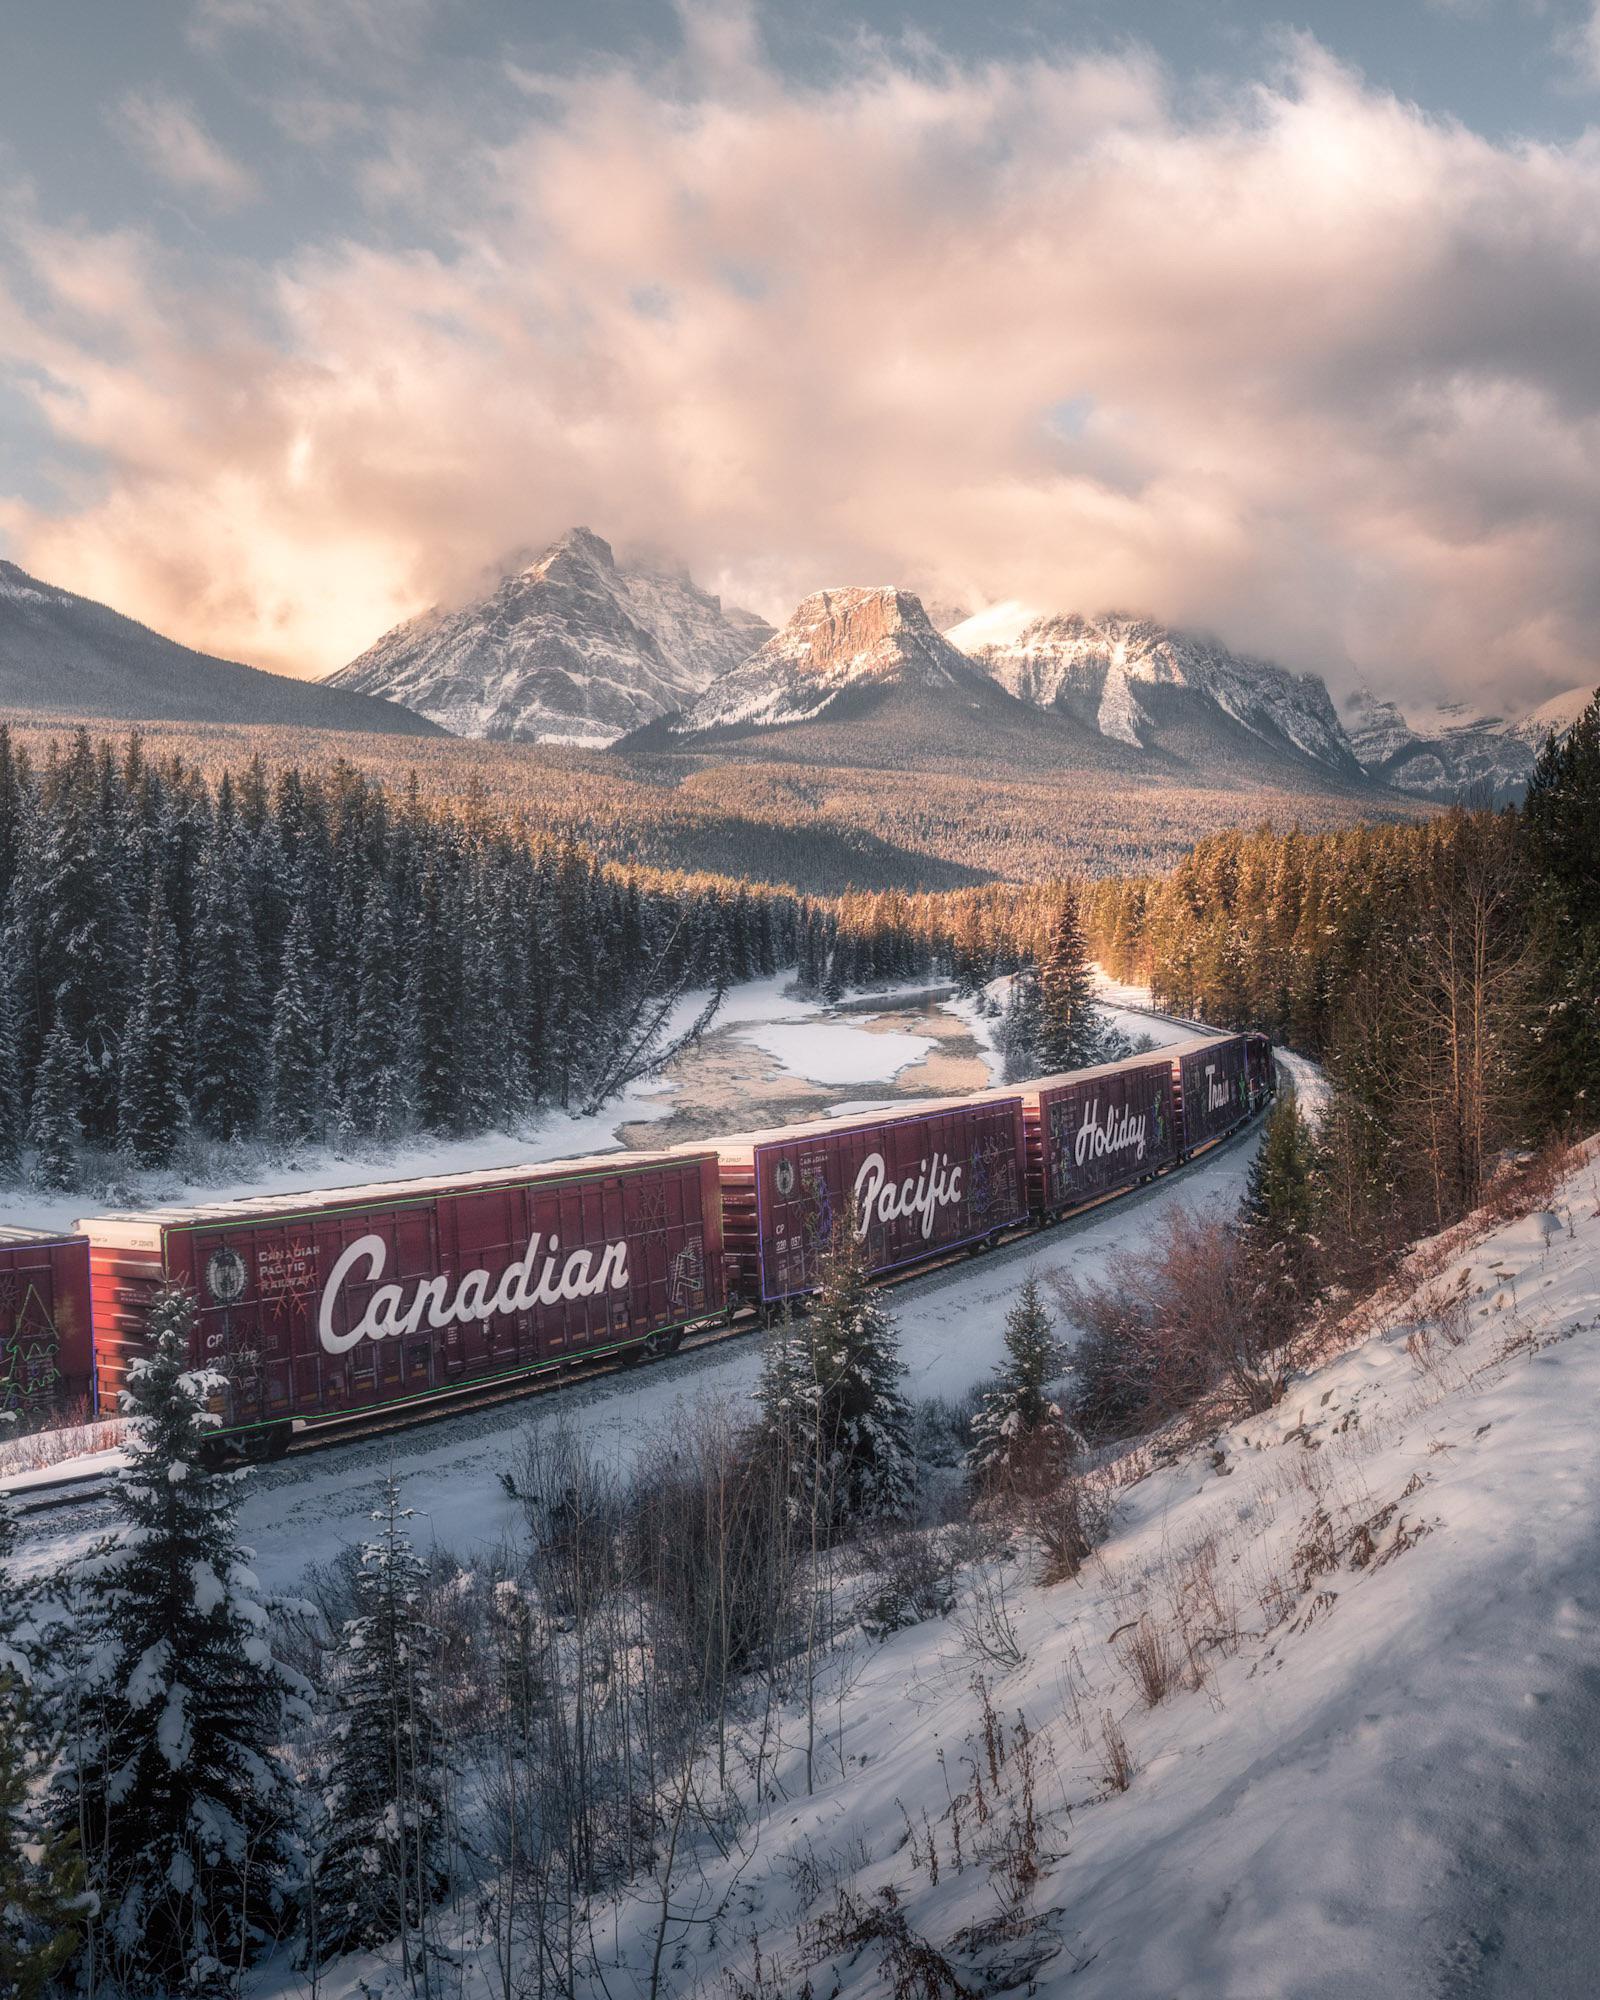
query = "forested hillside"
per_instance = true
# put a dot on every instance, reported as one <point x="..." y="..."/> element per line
<point x="303" y="955"/>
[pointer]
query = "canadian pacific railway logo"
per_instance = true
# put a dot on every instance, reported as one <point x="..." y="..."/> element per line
<point x="936" y="1185"/>
<point x="481" y="1295"/>
<point x="226" y="1276"/>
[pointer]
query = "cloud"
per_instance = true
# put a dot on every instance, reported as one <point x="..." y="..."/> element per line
<point x="1327" y="363"/>
<point x="169" y="138"/>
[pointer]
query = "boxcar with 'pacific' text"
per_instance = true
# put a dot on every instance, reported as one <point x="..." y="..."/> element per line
<point x="323" y="1304"/>
<point x="904" y="1187"/>
<point x="46" y="1341"/>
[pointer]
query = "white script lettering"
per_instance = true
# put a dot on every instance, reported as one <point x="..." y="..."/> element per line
<point x="934" y="1186"/>
<point x="525" y="1283"/>
<point x="1120" y="1131"/>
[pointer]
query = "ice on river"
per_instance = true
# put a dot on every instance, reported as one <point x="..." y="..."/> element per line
<point x="828" y="1052"/>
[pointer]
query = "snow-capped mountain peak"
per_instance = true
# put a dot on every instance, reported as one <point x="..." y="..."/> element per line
<point x="836" y="640"/>
<point x="1101" y="669"/>
<point x="571" y="647"/>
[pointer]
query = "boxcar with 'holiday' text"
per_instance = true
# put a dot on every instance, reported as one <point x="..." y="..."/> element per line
<point x="1092" y="1131"/>
<point x="46" y="1336"/>
<point x="931" y="1177"/>
<point x="323" y="1304"/>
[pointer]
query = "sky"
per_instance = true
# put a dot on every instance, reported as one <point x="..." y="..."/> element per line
<point x="1279" y="322"/>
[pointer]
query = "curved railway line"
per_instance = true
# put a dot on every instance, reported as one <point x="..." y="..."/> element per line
<point x="44" y="1498"/>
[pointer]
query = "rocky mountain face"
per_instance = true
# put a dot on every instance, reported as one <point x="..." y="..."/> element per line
<point x="838" y="642"/>
<point x="1452" y="751"/>
<point x="574" y="648"/>
<point x="1118" y="676"/>
<point x="68" y="655"/>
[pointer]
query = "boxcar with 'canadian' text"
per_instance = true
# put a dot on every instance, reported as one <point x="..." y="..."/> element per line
<point x="929" y="1178"/>
<point x="46" y="1342"/>
<point x="319" y="1305"/>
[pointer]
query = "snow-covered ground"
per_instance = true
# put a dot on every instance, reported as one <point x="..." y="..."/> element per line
<point x="828" y="1052"/>
<point x="1377" y="1771"/>
<point x="1362" y="1757"/>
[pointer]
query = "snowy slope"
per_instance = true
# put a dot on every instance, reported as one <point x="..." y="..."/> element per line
<point x="572" y="648"/>
<point x="1102" y="671"/>
<point x="1553" y="717"/>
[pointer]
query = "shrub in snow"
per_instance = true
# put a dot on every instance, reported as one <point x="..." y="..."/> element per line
<point x="831" y="1401"/>
<point x="187" y="1813"/>
<point x="380" y="1872"/>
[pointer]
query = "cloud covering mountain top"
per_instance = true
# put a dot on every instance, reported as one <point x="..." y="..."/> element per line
<point x="1290" y="363"/>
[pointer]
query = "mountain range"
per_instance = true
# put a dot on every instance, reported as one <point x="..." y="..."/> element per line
<point x="68" y="655"/>
<point x="578" y="647"/>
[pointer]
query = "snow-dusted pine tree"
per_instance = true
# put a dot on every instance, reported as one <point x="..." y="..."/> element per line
<point x="152" y="1107"/>
<point x="375" y="1081"/>
<point x="381" y="1869"/>
<point x="188" y="1814"/>
<point x="41" y="1878"/>
<point x="1020" y="1429"/>
<point x="831" y="1398"/>
<point x="11" y="1118"/>
<point x="229" y="1010"/>
<point x="53" y="1123"/>
<point x="294" y="1053"/>
<point x="1069" y="1029"/>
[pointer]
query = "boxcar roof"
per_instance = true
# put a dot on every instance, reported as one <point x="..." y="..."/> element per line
<point x="917" y="1107"/>
<point x="22" y="1233"/>
<point x="296" y="1200"/>
<point x="892" y="1112"/>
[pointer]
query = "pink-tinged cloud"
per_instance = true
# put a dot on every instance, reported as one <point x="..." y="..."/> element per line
<point x="168" y="137"/>
<point x="1306" y="369"/>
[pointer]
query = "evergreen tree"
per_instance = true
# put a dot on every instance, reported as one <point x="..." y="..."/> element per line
<point x="53" y="1124"/>
<point x="41" y="1879"/>
<point x="229" y="1013"/>
<point x="1561" y="819"/>
<point x="1020" y="1428"/>
<point x="1277" y="1216"/>
<point x="832" y="1403"/>
<point x="374" y="1053"/>
<point x="1069" y="1028"/>
<point x="12" y="1122"/>
<point x="381" y="1870"/>
<point x="188" y="1811"/>
<point x="1018" y="1034"/>
<point x="294" y="1050"/>
<point x="152" y="1110"/>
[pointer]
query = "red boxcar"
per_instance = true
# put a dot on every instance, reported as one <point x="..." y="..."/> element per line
<point x="1214" y="1084"/>
<point x="46" y="1346"/>
<point x="907" y="1186"/>
<point x="323" y="1303"/>
<point x="1099" y="1129"/>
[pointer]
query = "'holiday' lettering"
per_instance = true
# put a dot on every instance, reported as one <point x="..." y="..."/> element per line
<point x="527" y="1282"/>
<point x="1120" y="1133"/>
<point x="917" y="1198"/>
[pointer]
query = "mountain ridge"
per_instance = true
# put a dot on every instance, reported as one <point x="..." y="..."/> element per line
<point x="61" y="653"/>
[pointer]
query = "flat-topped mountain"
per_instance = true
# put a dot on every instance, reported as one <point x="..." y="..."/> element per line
<point x="573" y="648"/>
<point x="70" y="656"/>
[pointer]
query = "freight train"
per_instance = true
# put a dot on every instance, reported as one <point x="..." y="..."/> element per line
<point x="318" y="1308"/>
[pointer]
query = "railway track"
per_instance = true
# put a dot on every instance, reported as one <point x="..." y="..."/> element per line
<point x="88" y="1490"/>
